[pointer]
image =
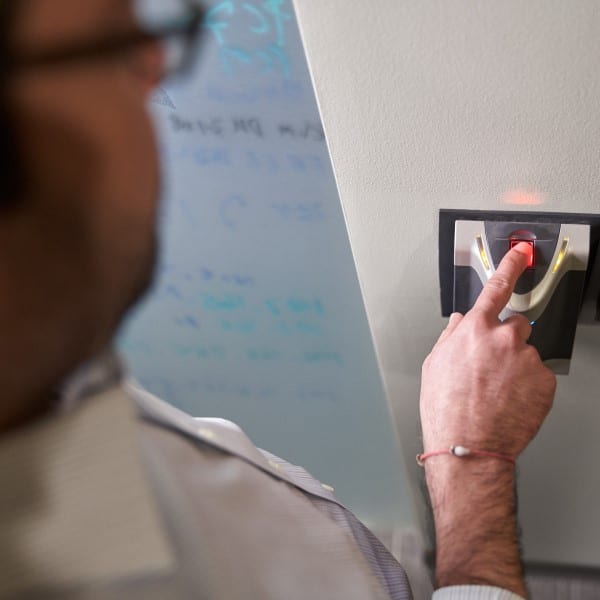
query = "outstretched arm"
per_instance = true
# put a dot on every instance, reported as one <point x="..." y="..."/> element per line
<point x="484" y="388"/>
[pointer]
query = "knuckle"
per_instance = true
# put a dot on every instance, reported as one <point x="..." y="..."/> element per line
<point x="550" y="379"/>
<point x="519" y="324"/>
<point x="426" y="363"/>
<point x="521" y="321"/>
<point x="532" y="355"/>
<point x="498" y="282"/>
<point x="508" y="335"/>
<point x="477" y="317"/>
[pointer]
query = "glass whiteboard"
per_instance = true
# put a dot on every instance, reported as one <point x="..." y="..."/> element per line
<point x="257" y="315"/>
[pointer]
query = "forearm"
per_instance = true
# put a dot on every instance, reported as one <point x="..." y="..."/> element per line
<point x="485" y="388"/>
<point x="474" y="509"/>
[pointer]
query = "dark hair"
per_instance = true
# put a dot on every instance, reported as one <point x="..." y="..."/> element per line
<point x="10" y="174"/>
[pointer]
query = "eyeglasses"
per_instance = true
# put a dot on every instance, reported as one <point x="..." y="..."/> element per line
<point x="174" y="24"/>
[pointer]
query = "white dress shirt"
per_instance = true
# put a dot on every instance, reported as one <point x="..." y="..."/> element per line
<point x="119" y="495"/>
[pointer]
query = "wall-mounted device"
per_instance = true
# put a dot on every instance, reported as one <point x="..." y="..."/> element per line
<point x="560" y="286"/>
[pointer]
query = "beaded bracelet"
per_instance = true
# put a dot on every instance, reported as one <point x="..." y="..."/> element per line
<point x="462" y="452"/>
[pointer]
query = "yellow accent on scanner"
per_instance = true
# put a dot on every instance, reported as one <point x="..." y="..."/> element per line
<point x="482" y="253"/>
<point x="561" y="255"/>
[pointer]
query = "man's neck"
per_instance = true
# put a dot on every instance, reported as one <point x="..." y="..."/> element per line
<point x="17" y="411"/>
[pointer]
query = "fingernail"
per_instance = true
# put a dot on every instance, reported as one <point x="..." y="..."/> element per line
<point x="526" y="250"/>
<point x="523" y="248"/>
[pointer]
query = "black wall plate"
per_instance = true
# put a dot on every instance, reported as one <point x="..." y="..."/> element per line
<point x="448" y="217"/>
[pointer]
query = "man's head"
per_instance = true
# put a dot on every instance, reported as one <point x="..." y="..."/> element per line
<point x="77" y="239"/>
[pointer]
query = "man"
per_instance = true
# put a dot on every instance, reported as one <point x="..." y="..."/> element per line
<point x="110" y="493"/>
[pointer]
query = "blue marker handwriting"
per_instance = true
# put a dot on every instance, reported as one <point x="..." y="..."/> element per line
<point x="199" y="352"/>
<point x="180" y="388"/>
<point x="307" y="212"/>
<point x="265" y="163"/>
<point x="211" y="386"/>
<point x="169" y="273"/>
<point x="294" y="305"/>
<point x="264" y="44"/>
<point x="287" y="91"/>
<point x="246" y="127"/>
<point x="234" y="211"/>
<point x="196" y="311"/>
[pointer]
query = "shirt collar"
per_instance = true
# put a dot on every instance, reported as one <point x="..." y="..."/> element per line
<point x="90" y="378"/>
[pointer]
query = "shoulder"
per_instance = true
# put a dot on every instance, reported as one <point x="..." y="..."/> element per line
<point x="215" y="465"/>
<point x="164" y="421"/>
<point x="225" y="436"/>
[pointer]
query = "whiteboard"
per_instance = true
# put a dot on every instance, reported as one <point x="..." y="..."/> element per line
<point x="257" y="314"/>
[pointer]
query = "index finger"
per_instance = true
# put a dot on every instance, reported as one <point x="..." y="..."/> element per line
<point x="498" y="290"/>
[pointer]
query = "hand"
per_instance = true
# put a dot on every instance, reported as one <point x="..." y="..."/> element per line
<point x="482" y="385"/>
<point x="484" y="388"/>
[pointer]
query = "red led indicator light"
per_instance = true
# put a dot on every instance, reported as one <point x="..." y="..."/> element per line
<point x="531" y="244"/>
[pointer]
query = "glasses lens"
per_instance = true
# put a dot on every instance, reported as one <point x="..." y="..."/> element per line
<point x="175" y="50"/>
<point x="170" y="20"/>
<point x="153" y="15"/>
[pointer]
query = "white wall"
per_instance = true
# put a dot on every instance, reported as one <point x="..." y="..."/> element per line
<point x="431" y="104"/>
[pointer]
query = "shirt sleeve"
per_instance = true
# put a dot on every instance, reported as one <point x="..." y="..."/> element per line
<point x="474" y="592"/>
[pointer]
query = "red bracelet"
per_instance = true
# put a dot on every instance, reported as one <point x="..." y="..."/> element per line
<point x="462" y="452"/>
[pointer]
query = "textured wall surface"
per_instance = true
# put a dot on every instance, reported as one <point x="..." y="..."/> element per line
<point x="431" y="104"/>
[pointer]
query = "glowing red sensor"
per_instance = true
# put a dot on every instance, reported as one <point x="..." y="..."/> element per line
<point x="531" y="244"/>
